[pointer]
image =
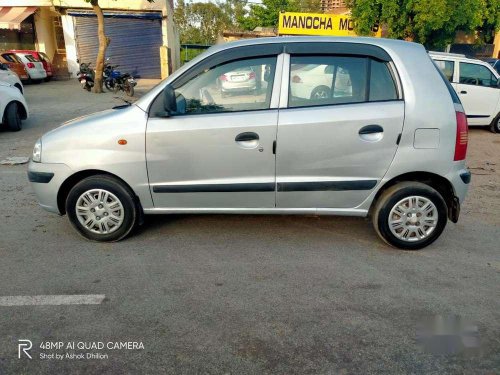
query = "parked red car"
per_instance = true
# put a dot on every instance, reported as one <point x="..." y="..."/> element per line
<point x="41" y="56"/>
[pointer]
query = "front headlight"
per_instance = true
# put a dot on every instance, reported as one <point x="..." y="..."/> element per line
<point x="37" y="152"/>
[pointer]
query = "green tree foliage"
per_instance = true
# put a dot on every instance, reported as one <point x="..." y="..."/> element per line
<point x="202" y="23"/>
<point x="431" y="22"/>
<point x="267" y="13"/>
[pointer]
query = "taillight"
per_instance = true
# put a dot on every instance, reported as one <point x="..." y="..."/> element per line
<point x="251" y="75"/>
<point x="223" y="77"/>
<point x="296" y="79"/>
<point x="30" y="65"/>
<point x="462" y="137"/>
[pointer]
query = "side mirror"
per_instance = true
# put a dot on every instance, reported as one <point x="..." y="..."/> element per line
<point x="169" y="100"/>
<point x="3" y="66"/>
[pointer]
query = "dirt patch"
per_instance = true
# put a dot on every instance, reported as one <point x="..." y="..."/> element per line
<point x="483" y="159"/>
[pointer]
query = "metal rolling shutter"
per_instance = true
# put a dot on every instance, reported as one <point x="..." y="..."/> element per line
<point x="134" y="46"/>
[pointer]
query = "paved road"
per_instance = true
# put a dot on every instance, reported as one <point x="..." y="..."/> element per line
<point x="234" y="294"/>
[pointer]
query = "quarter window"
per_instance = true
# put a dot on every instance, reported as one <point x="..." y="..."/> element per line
<point x="479" y="75"/>
<point x="447" y="67"/>
<point x="241" y="85"/>
<point x="327" y="80"/>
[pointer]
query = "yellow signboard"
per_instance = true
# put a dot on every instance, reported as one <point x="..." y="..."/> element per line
<point x="319" y="24"/>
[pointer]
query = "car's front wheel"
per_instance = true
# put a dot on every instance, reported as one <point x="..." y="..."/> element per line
<point x="12" y="117"/>
<point x="410" y="215"/>
<point x="102" y="208"/>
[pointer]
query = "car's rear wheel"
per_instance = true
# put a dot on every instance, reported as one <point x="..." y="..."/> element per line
<point x="12" y="117"/>
<point x="495" y="125"/>
<point x="102" y="208"/>
<point x="410" y="215"/>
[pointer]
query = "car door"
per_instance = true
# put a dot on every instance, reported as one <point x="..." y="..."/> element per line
<point x="216" y="150"/>
<point x="478" y="92"/>
<point x="333" y="150"/>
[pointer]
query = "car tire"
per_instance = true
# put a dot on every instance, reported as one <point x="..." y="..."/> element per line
<point x="410" y="215"/>
<point x="495" y="125"/>
<point x="108" y="211"/>
<point x="48" y="79"/>
<point x="320" y="92"/>
<point x="12" y="117"/>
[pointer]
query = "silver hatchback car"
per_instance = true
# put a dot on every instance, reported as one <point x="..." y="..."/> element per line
<point x="389" y="144"/>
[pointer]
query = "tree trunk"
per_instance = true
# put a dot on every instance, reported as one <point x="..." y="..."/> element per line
<point x="103" y="44"/>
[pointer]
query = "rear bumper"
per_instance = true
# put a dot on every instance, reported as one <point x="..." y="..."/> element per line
<point x="46" y="180"/>
<point x="460" y="179"/>
<point x="36" y="74"/>
<point x="238" y="86"/>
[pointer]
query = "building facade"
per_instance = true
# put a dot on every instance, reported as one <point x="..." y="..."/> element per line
<point x="143" y="37"/>
<point x="333" y="6"/>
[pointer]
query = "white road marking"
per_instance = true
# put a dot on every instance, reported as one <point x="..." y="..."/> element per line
<point x="56" y="300"/>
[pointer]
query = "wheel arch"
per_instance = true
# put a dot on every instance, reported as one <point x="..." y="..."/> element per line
<point x="72" y="180"/>
<point x="19" y="87"/>
<point x="437" y="182"/>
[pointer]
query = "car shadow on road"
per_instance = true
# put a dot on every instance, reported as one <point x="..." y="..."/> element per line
<point x="295" y="229"/>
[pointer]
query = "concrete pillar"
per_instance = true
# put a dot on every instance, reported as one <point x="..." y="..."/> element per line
<point x="70" y="43"/>
<point x="171" y="54"/>
<point x="44" y="27"/>
<point x="496" y="42"/>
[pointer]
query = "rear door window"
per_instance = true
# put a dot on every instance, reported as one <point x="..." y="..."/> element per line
<point x="31" y="58"/>
<point x="447" y="67"/>
<point x="329" y="80"/>
<point x="475" y="74"/>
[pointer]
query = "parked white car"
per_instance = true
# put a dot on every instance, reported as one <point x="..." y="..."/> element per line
<point x="13" y="107"/>
<point x="312" y="81"/>
<point x="7" y="75"/>
<point x="33" y="66"/>
<point x="477" y="84"/>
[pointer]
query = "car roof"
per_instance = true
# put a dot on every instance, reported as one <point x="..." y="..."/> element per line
<point x="454" y="56"/>
<point x="23" y="51"/>
<point x="381" y="42"/>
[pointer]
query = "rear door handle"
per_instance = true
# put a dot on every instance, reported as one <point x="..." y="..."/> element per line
<point x="247" y="140"/>
<point x="247" y="136"/>
<point x="463" y="92"/>
<point x="371" y="129"/>
<point x="371" y="133"/>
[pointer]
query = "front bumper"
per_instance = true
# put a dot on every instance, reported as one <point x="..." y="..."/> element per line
<point x="46" y="180"/>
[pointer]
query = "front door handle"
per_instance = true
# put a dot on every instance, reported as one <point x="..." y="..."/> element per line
<point x="247" y="140"/>
<point x="463" y="92"/>
<point x="371" y="133"/>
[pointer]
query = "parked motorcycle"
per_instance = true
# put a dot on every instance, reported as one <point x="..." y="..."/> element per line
<point x="116" y="81"/>
<point x="86" y="76"/>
